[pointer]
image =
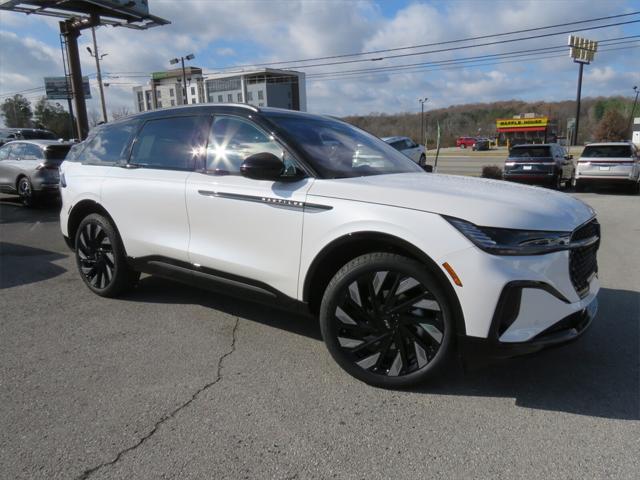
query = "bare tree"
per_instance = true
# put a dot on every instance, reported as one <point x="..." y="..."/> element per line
<point x="120" y="112"/>
<point x="94" y="117"/>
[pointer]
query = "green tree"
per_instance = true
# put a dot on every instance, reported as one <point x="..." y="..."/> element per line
<point x="52" y="117"/>
<point x="16" y="111"/>
<point x="612" y="127"/>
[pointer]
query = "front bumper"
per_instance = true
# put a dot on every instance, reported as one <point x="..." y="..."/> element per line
<point x="477" y="351"/>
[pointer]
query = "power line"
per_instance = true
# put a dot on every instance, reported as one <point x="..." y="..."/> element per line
<point x="473" y="58"/>
<point x="450" y="49"/>
<point x="457" y="67"/>
<point x="447" y="42"/>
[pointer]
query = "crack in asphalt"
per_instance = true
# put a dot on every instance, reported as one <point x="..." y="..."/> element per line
<point x="87" y="473"/>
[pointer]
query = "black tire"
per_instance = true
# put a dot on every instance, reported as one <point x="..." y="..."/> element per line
<point x="101" y="259"/>
<point x="423" y="160"/>
<point x="25" y="191"/>
<point x="402" y="332"/>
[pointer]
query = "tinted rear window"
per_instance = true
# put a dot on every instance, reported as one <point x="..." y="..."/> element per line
<point x="527" y="153"/>
<point x="38" y="135"/>
<point x="604" y="151"/>
<point x="56" y="152"/>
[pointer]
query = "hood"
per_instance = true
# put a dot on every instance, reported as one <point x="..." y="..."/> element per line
<point x="492" y="203"/>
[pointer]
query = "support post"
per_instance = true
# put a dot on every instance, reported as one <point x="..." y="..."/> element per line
<point x="75" y="73"/>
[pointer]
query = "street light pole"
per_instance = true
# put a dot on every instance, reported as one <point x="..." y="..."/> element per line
<point x="581" y="51"/>
<point x="633" y="110"/>
<point x="173" y="61"/>
<point x="98" y="57"/>
<point x="574" y="140"/>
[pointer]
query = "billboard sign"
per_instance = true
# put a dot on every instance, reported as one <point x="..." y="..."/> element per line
<point x="522" y="122"/>
<point x="58" y="88"/>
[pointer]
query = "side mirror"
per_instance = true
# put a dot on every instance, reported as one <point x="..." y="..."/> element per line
<point x="428" y="168"/>
<point x="262" y="166"/>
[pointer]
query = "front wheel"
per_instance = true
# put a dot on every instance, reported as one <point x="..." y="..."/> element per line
<point x="101" y="258"/>
<point x="423" y="160"/>
<point x="386" y="320"/>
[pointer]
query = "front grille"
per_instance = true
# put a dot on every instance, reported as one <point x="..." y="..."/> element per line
<point x="583" y="262"/>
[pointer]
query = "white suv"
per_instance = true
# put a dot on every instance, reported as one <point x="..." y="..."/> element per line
<point x="613" y="163"/>
<point x="402" y="267"/>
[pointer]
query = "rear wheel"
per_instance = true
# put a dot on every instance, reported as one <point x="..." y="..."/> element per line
<point x="386" y="321"/>
<point x="579" y="186"/>
<point x="101" y="258"/>
<point x="25" y="190"/>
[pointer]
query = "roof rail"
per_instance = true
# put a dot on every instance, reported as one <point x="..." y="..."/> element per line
<point x="241" y="105"/>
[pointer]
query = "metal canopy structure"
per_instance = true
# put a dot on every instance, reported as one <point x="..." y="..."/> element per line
<point x="78" y="15"/>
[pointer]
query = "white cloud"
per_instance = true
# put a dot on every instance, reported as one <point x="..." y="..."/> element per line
<point x="242" y="31"/>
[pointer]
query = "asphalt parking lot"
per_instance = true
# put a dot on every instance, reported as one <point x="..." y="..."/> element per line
<point x="172" y="382"/>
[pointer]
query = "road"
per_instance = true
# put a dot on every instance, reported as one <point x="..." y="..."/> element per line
<point x="172" y="382"/>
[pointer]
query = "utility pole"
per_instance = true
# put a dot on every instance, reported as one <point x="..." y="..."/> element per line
<point x="422" y="131"/>
<point x="633" y="110"/>
<point x="582" y="51"/>
<point x="98" y="57"/>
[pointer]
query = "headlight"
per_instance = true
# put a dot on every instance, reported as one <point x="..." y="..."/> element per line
<point x="506" y="241"/>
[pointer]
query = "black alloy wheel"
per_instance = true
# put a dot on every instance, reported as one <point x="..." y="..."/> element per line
<point x="25" y="190"/>
<point x="386" y="321"/>
<point x="101" y="258"/>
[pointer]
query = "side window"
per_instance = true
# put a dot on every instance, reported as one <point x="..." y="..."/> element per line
<point x="108" y="145"/>
<point x="31" y="152"/>
<point x="232" y="140"/>
<point x="16" y="150"/>
<point x="4" y="152"/>
<point x="171" y="143"/>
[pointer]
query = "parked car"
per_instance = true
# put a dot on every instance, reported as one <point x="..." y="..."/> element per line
<point x="615" y="162"/>
<point x="481" y="144"/>
<point x="401" y="267"/>
<point x="465" y="142"/>
<point x="7" y="135"/>
<point x="408" y="147"/>
<point x="29" y="168"/>
<point x="547" y="164"/>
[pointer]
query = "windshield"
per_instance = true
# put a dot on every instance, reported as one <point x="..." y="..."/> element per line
<point x="339" y="150"/>
<point x="57" y="152"/>
<point x="530" y="153"/>
<point x="607" y="151"/>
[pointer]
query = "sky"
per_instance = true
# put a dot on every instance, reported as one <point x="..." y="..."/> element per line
<point x="228" y="33"/>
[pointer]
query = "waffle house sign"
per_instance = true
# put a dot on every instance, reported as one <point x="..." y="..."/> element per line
<point x="537" y="124"/>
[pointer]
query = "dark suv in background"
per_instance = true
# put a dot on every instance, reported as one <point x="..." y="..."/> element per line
<point x="547" y="164"/>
